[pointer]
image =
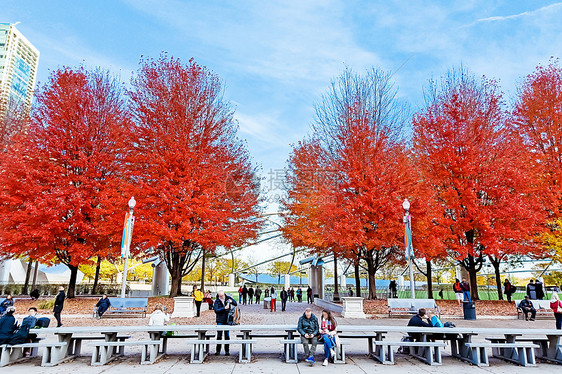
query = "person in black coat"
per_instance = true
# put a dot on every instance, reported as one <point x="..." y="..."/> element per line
<point x="527" y="307"/>
<point x="59" y="305"/>
<point x="251" y="294"/>
<point x="418" y="319"/>
<point x="309" y="298"/>
<point x="103" y="304"/>
<point x="222" y="306"/>
<point x="284" y="297"/>
<point x="7" y="325"/>
<point x="244" y="295"/>
<point x="539" y="289"/>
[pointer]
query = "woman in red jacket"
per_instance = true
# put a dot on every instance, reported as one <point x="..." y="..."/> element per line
<point x="556" y="306"/>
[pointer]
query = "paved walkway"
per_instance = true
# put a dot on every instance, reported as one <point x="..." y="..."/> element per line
<point x="267" y="353"/>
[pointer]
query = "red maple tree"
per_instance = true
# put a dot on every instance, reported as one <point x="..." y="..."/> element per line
<point x="192" y="177"/>
<point x="538" y="118"/>
<point x="471" y="159"/>
<point x="60" y="181"/>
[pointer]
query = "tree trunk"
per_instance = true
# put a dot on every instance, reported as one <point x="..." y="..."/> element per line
<point x="71" y="292"/>
<point x="371" y="275"/>
<point x="35" y="270"/>
<point x="97" y="276"/>
<point x="336" y="296"/>
<point x="429" y="282"/>
<point x="176" y="284"/>
<point x="25" y="290"/>
<point x="357" y="279"/>
<point x="203" y="272"/>
<point x="496" y="264"/>
<point x="472" y="273"/>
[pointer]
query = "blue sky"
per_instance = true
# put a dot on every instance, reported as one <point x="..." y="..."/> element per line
<point x="277" y="57"/>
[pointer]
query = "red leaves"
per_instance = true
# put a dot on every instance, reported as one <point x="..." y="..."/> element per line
<point x="61" y="180"/>
<point x="474" y="165"/>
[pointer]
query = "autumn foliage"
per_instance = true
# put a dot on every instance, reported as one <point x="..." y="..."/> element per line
<point x="472" y="160"/>
<point x="191" y="175"/>
<point x="60" y="181"/>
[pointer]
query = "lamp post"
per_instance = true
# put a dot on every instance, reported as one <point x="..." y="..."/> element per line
<point x="126" y="242"/>
<point x="408" y="249"/>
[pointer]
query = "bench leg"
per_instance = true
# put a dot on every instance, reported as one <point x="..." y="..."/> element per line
<point x="290" y="353"/>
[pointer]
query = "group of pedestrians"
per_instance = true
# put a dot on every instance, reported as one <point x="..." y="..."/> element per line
<point x="249" y="295"/>
<point x="462" y="291"/>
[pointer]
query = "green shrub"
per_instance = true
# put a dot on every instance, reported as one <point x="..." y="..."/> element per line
<point x="47" y="304"/>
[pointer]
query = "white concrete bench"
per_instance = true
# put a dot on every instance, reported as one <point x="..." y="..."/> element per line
<point x="522" y="353"/>
<point x="103" y="351"/>
<point x="75" y="347"/>
<point x="411" y="306"/>
<point x="428" y="352"/>
<point x="290" y="350"/>
<point x="53" y="352"/>
<point x="198" y="352"/>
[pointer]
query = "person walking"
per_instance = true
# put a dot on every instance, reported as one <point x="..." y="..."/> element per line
<point x="299" y="295"/>
<point x="158" y="317"/>
<point x="556" y="306"/>
<point x="102" y="305"/>
<point x="527" y="307"/>
<point x="258" y="294"/>
<point x="251" y="295"/>
<point x="198" y="297"/>
<point x="392" y="289"/>
<point x="222" y="306"/>
<point x="328" y="331"/>
<point x="308" y="329"/>
<point x="273" y="304"/>
<point x="508" y="289"/>
<point x="284" y="296"/>
<point x="309" y="295"/>
<point x="466" y="290"/>
<point x="59" y="305"/>
<point x="240" y="294"/>
<point x="457" y="288"/>
<point x="244" y="295"/>
<point x="292" y="294"/>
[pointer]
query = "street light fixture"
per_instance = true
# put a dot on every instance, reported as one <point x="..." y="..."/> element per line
<point x="126" y="242"/>
<point x="408" y="249"/>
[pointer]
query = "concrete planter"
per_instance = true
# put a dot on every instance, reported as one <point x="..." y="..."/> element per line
<point x="353" y="307"/>
<point x="184" y="306"/>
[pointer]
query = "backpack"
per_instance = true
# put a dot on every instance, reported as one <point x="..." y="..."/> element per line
<point x="233" y="316"/>
<point x="457" y="287"/>
<point x="512" y="290"/>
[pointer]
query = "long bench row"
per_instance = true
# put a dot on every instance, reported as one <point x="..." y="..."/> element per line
<point x="521" y="346"/>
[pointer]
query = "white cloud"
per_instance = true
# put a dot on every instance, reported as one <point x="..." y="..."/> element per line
<point x="547" y="8"/>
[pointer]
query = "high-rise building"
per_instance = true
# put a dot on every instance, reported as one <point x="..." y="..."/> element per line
<point x="19" y="60"/>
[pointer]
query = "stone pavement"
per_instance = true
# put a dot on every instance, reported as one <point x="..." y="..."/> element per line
<point x="267" y="353"/>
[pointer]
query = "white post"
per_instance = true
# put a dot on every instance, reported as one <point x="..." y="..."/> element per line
<point x="408" y="245"/>
<point x="230" y="280"/>
<point x="412" y="284"/>
<point x="124" y="282"/>
<point x="287" y="282"/>
<point x="343" y="282"/>
<point x="126" y="242"/>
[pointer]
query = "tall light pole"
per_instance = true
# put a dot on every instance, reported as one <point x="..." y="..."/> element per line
<point x="126" y="242"/>
<point x="408" y="249"/>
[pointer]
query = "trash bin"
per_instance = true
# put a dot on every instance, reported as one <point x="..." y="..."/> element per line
<point x="469" y="310"/>
<point x="267" y="303"/>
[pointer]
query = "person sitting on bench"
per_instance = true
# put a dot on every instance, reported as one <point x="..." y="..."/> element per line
<point x="526" y="306"/>
<point x="103" y="305"/>
<point x="418" y="319"/>
<point x="308" y="328"/>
